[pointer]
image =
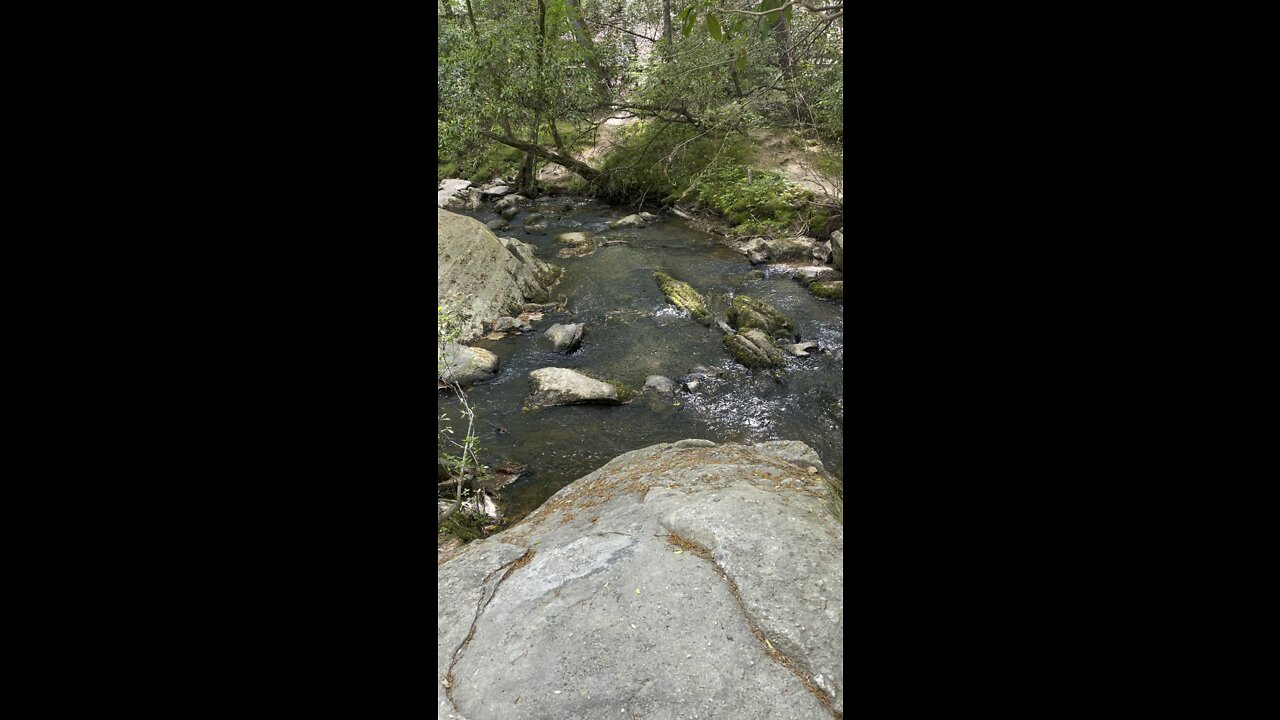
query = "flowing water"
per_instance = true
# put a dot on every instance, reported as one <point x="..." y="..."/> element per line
<point x="631" y="333"/>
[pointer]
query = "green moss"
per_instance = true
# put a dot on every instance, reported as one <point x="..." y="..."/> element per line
<point x="683" y="296"/>
<point x="746" y="313"/>
<point x="833" y="290"/>
<point x="749" y="354"/>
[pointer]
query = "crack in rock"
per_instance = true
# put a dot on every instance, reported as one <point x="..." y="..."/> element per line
<point x="486" y="596"/>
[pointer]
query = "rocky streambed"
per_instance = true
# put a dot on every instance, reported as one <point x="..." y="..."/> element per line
<point x="636" y="329"/>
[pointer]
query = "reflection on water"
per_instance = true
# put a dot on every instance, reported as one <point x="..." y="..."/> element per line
<point x="631" y="333"/>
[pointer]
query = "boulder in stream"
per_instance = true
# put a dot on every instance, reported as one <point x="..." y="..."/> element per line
<point x="682" y="295"/>
<point x="562" y="386"/>
<point x="565" y="338"/>
<point x="746" y="313"/>
<point x="680" y="580"/>
<point x="630" y="221"/>
<point x="580" y="244"/>
<point x="837" y="249"/>
<point x="481" y="278"/>
<point x="464" y="365"/>
<point x="754" y="349"/>
<point x="796" y="248"/>
<point x="509" y="201"/>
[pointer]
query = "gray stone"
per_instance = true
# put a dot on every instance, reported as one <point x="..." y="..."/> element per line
<point x="504" y="324"/>
<point x="566" y="338"/>
<point x="758" y="258"/>
<point x="636" y="591"/>
<point x="800" y="349"/>
<point x="580" y="244"/>
<point x="510" y="212"/>
<point x="630" y="221"/>
<point x="648" y="217"/>
<point x="480" y="278"/>
<point x="464" y="365"/>
<point x="473" y="200"/>
<point x="509" y="201"/>
<point x="497" y="190"/>
<point x="498" y="224"/>
<point x="822" y="252"/>
<point x="562" y="386"/>
<point x="453" y="185"/>
<point x="796" y="248"/>
<point x="837" y="249"/>
<point x="659" y="384"/>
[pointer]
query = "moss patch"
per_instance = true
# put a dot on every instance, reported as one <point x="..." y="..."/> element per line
<point x="833" y="290"/>
<point x="746" y="313"/>
<point x="752" y="354"/>
<point x="683" y="296"/>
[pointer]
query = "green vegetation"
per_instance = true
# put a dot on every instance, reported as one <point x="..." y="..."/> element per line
<point x="524" y="84"/>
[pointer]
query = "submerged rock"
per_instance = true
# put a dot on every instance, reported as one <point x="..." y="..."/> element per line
<point x="562" y="386"/>
<point x="503" y="324"/>
<point x="565" y="337"/>
<point x="660" y="384"/>
<point x="682" y="295"/>
<point x="754" y="349"/>
<point x="494" y="225"/>
<point x="746" y="313"/>
<point x="465" y="365"/>
<point x="669" y="566"/>
<point x="580" y="244"/>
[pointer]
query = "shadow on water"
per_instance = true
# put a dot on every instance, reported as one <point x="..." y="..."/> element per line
<point x="631" y="333"/>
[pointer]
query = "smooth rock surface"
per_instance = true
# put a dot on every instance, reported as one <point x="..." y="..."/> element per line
<point x="637" y="590"/>
<point x="630" y="221"/>
<point x="562" y="386"/>
<point x="465" y="365"/>
<point x="481" y="278"/>
<point x="837" y="249"/>
<point x="565" y="338"/>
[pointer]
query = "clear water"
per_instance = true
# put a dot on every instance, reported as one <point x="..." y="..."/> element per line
<point x="632" y="332"/>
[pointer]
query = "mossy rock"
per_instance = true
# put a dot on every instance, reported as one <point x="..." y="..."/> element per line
<point x="683" y="296"/>
<point x="746" y="313"/>
<point x="833" y="290"/>
<point x="754" y="349"/>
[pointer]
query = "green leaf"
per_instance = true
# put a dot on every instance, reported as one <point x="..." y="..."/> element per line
<point x="787" y="13"/>
<point x="713" y="26"/>
<point x="688" y="23"/>
<point x="742" y="60"/>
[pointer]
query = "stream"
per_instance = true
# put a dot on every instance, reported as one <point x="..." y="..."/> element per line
<point x="631" y="333"/>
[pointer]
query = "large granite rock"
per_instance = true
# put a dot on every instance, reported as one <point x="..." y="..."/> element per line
<point x="678" y="581"/>
<point x="481" y="278"/>
<point x="451" y="193"/>
<point x="562" y="386"/>
<point x="465" y="365"/>
<point x="837" y="249"/>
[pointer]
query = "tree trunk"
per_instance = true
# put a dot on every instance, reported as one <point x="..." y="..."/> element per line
<point x="668" y="33"/>
<point x="583" y="37"/>
<point x="472" y="17"/>
<point x="585" y="171"/>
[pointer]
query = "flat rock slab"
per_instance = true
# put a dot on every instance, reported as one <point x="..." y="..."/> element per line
<point x="648" y="589"/>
